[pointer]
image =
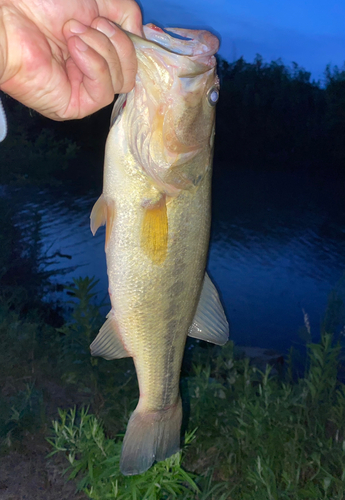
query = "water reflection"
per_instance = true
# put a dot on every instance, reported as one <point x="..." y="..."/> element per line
<point x="277" y="248"/>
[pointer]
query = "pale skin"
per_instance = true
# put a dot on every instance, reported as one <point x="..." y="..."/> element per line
<point x="65" y="58"/>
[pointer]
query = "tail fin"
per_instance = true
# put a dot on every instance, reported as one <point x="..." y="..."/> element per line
<point x="150" y="436"/>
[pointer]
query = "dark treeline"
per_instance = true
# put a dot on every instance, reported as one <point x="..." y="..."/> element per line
<point x="275" y="114"/>
<point x="268" y="115"/>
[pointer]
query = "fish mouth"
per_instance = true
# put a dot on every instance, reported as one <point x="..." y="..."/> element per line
<point x="194" y="43"/>
<point x="191" y="50"/>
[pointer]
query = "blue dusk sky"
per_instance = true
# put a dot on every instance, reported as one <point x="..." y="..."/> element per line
<point x="309" y="32"/>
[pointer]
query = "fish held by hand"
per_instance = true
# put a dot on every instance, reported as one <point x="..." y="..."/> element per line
<point x="156" y="206"/>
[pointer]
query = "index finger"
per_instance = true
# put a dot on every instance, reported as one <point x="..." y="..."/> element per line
<point x="126" y="13"/>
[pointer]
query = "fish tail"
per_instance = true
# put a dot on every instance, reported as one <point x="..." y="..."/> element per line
<point x="150" y="436"/>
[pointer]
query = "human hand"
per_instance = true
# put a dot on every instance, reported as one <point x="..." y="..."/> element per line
<point x="63" y="58"/>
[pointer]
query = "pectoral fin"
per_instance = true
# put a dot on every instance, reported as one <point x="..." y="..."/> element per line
<point x="154" y="231"/>
<point x="210" y="323"/>
<point x="103" y="212"/>
<point x="108" y="343"/>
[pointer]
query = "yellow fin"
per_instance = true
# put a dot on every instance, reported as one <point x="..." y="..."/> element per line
<point x="154" y="231"/>
<point x="98" y="215"/>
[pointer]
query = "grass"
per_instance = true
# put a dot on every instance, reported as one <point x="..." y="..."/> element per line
<point x="96" y="460"/>
<point x="256" y="434"/>
<point x="249" y="432"/>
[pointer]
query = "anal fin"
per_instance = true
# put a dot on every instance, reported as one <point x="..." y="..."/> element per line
<point x="154" y="231"/>
<point x="210" y="323"/>
<point x="108" y="343"/>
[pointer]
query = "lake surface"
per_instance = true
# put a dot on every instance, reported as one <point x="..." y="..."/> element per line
<point x="277" y="248"/>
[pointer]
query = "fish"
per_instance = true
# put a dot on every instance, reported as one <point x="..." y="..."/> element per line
<point x="156" y="205"/>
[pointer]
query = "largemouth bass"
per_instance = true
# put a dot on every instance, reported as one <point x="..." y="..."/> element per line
<point x="156" y="207"/>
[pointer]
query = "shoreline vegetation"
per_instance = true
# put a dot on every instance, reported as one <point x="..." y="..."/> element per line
<point x="250" y="430"/>
<point x="277" y="430"/>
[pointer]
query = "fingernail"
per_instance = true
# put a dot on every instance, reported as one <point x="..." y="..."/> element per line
<point x="106" y="27"/>
<point x="80" y="44"/>
<point x="77" y="27"/>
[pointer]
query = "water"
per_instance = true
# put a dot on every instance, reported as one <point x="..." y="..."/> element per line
<point x="277" y="248"/>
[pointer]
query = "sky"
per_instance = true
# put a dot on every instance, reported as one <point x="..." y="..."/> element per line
<point x="308" y="32"/>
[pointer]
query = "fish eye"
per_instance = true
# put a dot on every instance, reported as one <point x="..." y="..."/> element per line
<point x="213" y="96"/>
